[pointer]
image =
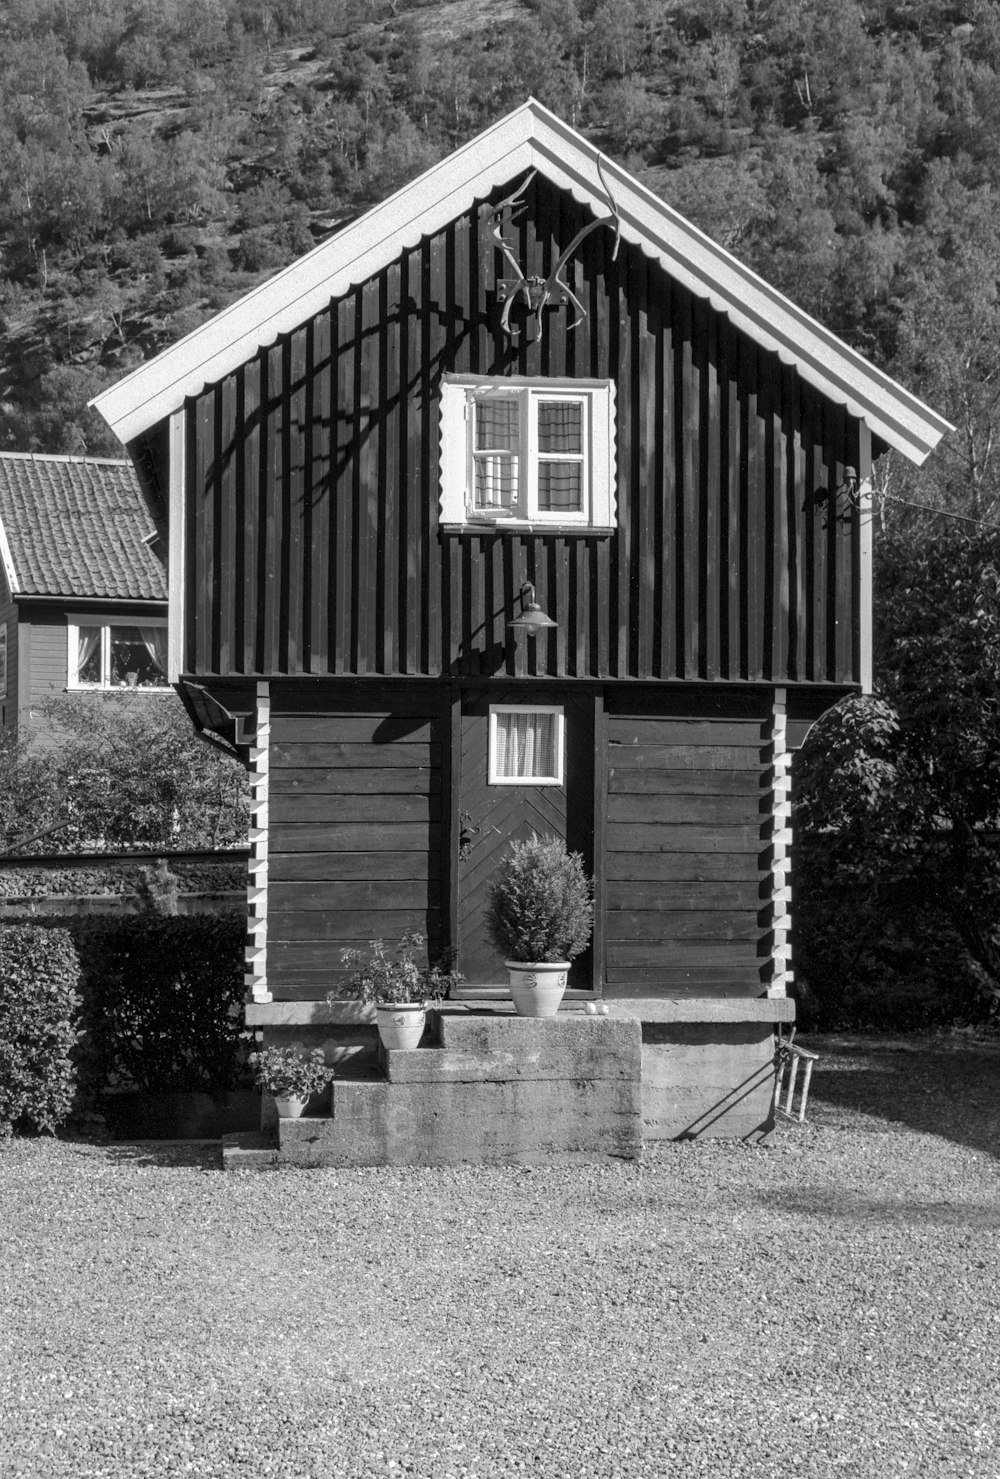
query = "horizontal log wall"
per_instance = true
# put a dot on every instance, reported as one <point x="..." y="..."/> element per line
<point x="355" y="831"/>
<point x="682" y="881"/>
<point x="313" y="544"/>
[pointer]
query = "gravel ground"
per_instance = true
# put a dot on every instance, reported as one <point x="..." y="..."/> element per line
<point x="829" y="1305"/>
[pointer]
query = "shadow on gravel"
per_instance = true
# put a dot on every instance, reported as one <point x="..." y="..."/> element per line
<point x="198" y="1155"/>
<point x="827" y="1202"/>
<point x="939" y="1086"/>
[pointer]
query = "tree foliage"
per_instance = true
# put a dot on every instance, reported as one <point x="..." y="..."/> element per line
<point x="124" y="773"/>
<point x="898" y="809"/>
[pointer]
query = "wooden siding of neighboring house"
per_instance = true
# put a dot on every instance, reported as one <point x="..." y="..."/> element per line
<point x="312" y="539"/>
<point x="8" y="617"/>
<point x="44" y="631"/>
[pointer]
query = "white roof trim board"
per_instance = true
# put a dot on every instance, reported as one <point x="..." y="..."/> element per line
<point x="530" y="137"/>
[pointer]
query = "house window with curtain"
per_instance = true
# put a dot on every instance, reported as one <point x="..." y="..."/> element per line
<point x="526" y="745"/>
<point x="529" y="452"/>
<point x="118" y="655"/>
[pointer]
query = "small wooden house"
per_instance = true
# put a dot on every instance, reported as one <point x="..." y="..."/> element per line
<point x="523" y="381"/>
<point x="83" y="589"/>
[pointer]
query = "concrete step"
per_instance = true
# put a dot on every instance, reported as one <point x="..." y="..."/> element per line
<point x="249" y="1150"/>
<point x="502" y="1049"/>
<point x="378" y="1123"/>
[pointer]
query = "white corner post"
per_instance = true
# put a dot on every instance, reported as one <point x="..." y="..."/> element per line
<point x="778" y="825"/>
<point x="176" y="536"/>
<point x="256" y="952"/>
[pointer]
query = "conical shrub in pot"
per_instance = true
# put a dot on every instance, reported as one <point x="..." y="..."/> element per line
<point x="540" y="915"/>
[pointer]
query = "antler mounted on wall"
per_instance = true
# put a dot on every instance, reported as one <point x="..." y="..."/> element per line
<point x="537" y="291"/>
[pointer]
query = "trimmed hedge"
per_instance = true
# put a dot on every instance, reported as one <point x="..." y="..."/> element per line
<point x="39" y="1026"/>
<point x="163" y="1002"/>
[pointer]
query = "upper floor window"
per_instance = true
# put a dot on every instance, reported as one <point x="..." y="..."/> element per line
<point x="517" y="451"/>
<point x="115" y="655"/>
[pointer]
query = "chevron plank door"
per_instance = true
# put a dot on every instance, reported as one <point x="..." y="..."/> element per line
<point x="491" y="817"/>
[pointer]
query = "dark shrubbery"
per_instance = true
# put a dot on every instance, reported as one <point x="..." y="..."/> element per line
<point x="39" y="1015"/>
<point x="163" y="1002"/>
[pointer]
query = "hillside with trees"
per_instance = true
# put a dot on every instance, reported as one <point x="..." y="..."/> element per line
<point x="160" y="157"/>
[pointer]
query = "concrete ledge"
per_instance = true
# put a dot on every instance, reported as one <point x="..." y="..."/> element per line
<point x="703" y="1008"/>
<point x="641" y="1008"/>
<point x="308" y="1013"/>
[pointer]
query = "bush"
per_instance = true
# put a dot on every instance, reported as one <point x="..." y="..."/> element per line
<point x="163" y="1002"/>
<point x="39" y="1007"/>
<point x="540" y="905"/>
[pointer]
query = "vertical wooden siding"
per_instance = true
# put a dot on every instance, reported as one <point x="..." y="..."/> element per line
<point x="355" y="831"/>
<point x="682" y="870"/>
<point x="313" y="541"/>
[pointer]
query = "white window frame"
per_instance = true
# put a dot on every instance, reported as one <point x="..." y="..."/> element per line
<point x="530" y="780"/>
<point x="459" y="396"/>
<point x="73" y="625"/>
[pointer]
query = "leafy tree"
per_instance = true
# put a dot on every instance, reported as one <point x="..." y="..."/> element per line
<point x="121" y="773"/>
<point x="898" y="802"/>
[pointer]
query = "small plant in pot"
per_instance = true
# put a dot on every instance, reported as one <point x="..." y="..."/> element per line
<point x="399" y="988"/>
<point x="540" y="915"/>
<point x="291" y="1076"/>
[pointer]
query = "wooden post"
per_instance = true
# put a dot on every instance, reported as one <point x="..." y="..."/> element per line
<point x="256" y="950"/>
<point x="779" y="824"/>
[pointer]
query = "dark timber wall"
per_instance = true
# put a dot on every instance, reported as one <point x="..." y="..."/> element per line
<point x="312" y="540"/>
<point x="355" y="829"/>
<point x="683" y="852"/>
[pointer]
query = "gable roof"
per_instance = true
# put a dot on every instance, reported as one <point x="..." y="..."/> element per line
<point x="529" y="138"/>
<point x="76" y="526"/>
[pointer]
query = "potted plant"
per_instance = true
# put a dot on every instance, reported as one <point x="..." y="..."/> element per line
<point x="399" y="988"/>
<point x="291" y="1076"/>
<point x="540" y="915"/>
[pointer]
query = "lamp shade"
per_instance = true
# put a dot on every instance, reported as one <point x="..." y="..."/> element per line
<point x="531" y="618"/>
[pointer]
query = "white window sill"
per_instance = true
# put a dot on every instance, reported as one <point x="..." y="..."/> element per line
<point x="526" y="526"/>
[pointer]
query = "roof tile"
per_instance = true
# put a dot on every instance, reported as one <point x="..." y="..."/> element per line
<point x="78" y="526"/>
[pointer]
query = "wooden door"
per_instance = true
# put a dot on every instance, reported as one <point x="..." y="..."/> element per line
<point x="493" y="815"/>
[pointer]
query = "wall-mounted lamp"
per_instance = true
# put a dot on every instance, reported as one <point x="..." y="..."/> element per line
<point x="531" y="619"/>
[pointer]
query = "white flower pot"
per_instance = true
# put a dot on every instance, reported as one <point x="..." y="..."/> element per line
<point x="289" y="1107"/>
<point x="401" y="1025"/>
<point x="537" y="987"/>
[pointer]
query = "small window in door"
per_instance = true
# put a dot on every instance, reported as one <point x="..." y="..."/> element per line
<point x="526" y="745"/>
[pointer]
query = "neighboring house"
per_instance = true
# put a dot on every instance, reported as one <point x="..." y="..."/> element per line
<point x="83" y="598"/>
<point x="368" y="460"/>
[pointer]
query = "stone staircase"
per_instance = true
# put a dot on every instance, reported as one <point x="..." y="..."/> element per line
<point x="486" y="1089"/>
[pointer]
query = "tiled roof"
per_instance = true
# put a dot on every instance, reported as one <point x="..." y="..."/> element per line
<point x="76" y="526"/>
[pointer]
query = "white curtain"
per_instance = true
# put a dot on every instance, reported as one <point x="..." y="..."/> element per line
<point x="155" y="639"/>
<point x="526" y="745"/>
<point x="88" y="641"/>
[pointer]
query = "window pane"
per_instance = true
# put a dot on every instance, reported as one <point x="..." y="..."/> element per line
<point x="496" y="481"/>
<point x="527" y="746"/>
<point x="88" y="656"/>
<point x="560" y="426"/>
<point x="560" y="487"/>
<point x="497" y="425"/>
<point x="133" y="660"/>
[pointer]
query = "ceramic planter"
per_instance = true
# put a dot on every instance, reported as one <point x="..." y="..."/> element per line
<point x="537" y="987"/>
<point x="401" y="1025"/>
<point x="289" y="1107"/>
